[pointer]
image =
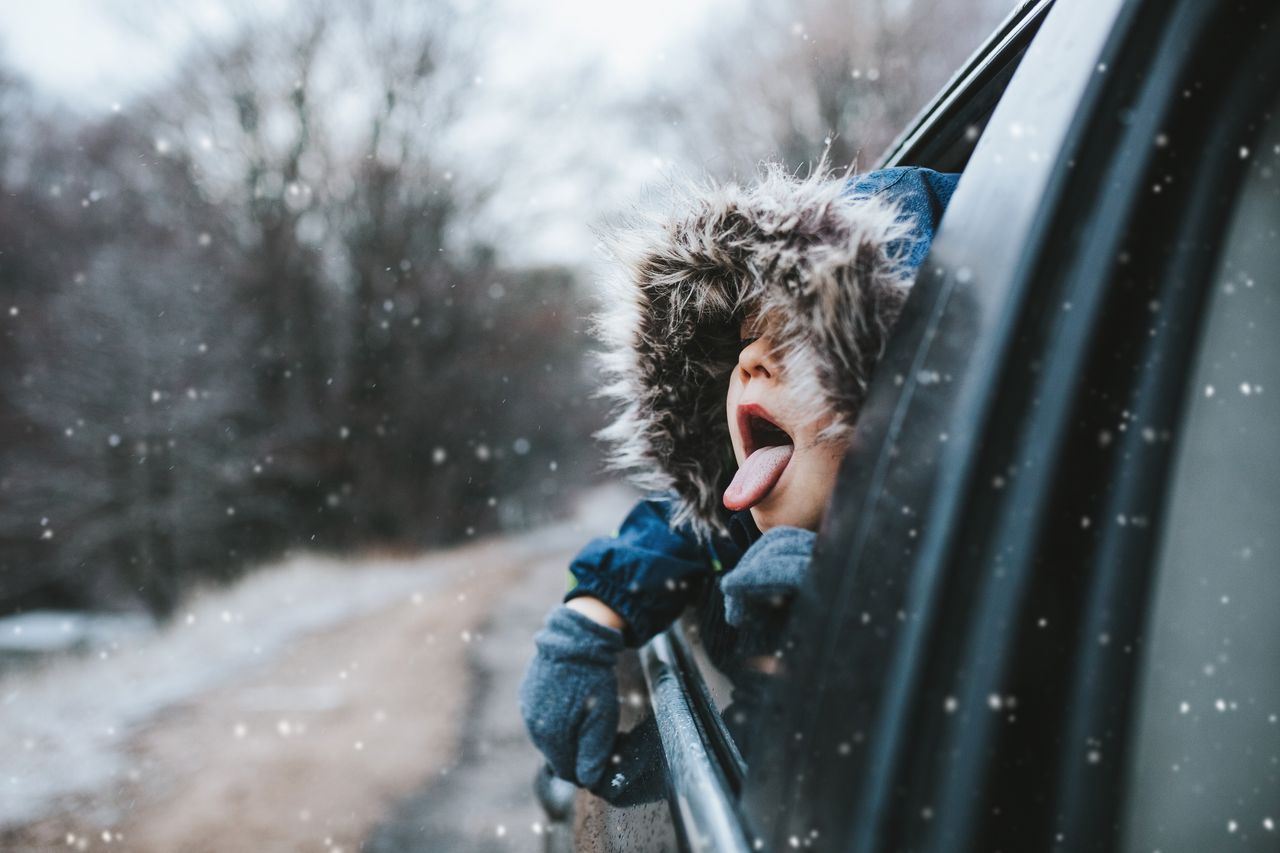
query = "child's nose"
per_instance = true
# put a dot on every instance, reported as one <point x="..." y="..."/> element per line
<point x="754" y="359"/>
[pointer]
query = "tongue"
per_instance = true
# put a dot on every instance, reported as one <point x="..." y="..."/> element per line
<point x="756" y="476"/>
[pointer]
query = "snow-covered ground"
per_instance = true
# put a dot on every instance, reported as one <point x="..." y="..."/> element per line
<point x="65" y="727"/>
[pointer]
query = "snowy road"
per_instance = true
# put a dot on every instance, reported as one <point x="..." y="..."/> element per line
<point x="307" y="707"/>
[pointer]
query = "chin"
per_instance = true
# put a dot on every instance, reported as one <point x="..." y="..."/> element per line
<point x="767" y="516"/>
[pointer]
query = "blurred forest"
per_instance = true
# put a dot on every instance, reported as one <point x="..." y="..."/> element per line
<point x="273" y="303"/>
<point x="788" y="81"/>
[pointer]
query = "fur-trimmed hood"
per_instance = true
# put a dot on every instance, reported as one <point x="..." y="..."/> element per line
<point x="826" y="263"/>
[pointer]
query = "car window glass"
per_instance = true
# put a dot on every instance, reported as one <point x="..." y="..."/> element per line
<point x="732" y="664"/>
<point x="736" y="664"/>
<point x="1206" y="770"/>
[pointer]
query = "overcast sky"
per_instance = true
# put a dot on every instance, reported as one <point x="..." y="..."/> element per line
<point x="92" y="55"/>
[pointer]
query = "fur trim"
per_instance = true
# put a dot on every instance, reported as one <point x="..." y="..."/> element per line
<point x="817" y="267"/>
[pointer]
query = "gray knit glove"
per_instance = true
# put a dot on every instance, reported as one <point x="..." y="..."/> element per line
<point x="758" y="591"/>
<point x="569" y="696"/>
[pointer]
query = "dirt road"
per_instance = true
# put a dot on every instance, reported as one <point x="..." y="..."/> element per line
<point x="392" y="729"/>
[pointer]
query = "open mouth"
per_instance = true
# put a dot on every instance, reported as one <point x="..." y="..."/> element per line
<point x="758" y="429"/>
<point x="767" y="449"/>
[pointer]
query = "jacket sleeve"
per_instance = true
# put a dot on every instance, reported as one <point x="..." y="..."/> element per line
<point x="922" y="196"/>
<point x="646" y="572"/>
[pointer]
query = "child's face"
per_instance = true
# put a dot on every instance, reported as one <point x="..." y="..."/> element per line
<point x="781" y="487"/>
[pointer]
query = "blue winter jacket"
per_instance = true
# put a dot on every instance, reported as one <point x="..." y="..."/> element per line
<point x="647" y="572"/>
<point x="921" y="195"/>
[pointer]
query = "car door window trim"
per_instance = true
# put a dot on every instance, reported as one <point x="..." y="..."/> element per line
<point x="702" y="802"/>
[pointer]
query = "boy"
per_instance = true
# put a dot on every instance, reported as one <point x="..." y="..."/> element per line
<point x="749" y="321"/>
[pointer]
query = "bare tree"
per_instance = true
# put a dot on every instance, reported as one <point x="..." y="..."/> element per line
<point x="269" y="319"/>
<point x="129" y="383"/>
<point x="790" y="81"/>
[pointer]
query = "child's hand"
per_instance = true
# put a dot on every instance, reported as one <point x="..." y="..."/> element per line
<point x="758" y="592"/>
<point x="569" y="696"/>
<point x="645" y="574"/>
<point x="597" y="611"/>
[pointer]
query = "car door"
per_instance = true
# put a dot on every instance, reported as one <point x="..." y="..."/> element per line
<point x="965" y="660"/>
<point x="702" y="762"/>
<point x="692" y="697"/>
